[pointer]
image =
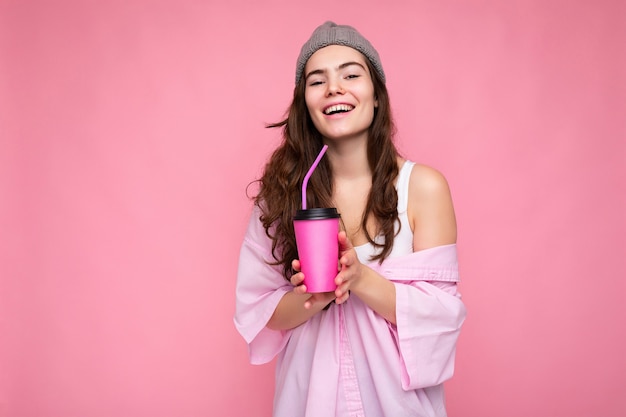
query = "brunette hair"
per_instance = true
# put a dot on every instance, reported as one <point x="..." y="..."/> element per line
<point x="279" y="195"/>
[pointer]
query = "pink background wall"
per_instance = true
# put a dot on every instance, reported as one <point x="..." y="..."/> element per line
<point x="130" y="129"/>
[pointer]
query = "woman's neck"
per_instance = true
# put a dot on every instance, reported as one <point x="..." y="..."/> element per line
<point x="348" y="159"/>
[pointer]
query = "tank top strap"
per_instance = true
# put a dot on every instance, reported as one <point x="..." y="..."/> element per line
<point x="402" y="185"/>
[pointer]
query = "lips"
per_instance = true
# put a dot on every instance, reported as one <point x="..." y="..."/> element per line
<point x="338" y="108"/>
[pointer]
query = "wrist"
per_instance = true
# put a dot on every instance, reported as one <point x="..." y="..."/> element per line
<point x="319" y="301"/>
<point x="364" y="280"/>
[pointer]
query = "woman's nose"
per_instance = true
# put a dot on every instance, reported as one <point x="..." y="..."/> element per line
<point x="335" y="87"/>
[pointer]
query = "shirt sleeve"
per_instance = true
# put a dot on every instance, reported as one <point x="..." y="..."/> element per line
<point x="429" y="314"/>
<point x="260" y="287"/>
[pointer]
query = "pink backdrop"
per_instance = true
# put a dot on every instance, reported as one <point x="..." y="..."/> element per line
<point x="130" y="129"/>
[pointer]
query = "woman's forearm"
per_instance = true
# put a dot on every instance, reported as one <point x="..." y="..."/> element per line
<point x="291" y="311"/>
<point x="378" y="293"/>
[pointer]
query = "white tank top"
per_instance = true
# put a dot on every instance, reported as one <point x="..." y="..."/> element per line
<point x="403" y="243"/>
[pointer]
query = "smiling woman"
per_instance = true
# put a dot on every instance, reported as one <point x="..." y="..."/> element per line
<point x="384" y="341"/>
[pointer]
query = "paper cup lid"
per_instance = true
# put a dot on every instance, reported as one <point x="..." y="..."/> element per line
<point x="317" y="213"/>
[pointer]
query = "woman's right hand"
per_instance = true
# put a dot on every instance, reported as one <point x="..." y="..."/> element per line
<point x="297" y="280"/>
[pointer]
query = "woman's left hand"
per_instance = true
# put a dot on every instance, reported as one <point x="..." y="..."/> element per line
<point x="350" y="269"/>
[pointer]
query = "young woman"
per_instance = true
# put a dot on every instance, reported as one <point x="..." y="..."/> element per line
<point x="384" y="342"/>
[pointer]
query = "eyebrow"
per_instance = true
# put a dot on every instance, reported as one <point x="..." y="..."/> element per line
<point x="340" y="67"/>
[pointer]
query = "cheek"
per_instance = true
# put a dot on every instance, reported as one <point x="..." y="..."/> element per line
<point x="371" y="101"/>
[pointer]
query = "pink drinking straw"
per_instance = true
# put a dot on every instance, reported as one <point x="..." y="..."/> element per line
<point x="308" y="175"/>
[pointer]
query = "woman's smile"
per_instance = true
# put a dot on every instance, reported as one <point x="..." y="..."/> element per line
<point x="338" y="109"/>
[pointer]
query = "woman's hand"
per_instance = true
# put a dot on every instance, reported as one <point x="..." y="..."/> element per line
<point x="369" y="286"/>
<point x="350" y="269"/>
<point x="297" y="306"/>
<point x="297" y="279"/>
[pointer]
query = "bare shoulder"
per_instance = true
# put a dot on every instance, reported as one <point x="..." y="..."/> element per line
<point x="430" y="208"/>
<point x="427" y="182"/>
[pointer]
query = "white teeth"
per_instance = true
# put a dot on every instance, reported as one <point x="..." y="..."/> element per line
<point x="338" y="108"/>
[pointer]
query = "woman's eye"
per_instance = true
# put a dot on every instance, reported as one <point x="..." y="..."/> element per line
<point x="315" y="83"/>
<point x="353" y="76"/>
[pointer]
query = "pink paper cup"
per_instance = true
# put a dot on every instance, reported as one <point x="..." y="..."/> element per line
<point x="316" y="232"/>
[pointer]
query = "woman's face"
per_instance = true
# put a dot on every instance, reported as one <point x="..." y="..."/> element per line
<point x="339" y="92"/>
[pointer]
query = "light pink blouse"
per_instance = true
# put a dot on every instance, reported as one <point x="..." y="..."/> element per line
<point x="348" y="360"/>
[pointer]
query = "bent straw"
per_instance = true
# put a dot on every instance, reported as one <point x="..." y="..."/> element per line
<point x="308" y="175"/>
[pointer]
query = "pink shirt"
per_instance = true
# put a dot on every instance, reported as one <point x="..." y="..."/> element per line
<point x="348" y="360"/>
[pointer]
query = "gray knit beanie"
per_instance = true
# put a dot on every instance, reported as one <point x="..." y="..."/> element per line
<point x="331" y="33"/>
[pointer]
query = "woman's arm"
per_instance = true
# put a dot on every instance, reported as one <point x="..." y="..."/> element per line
<point x="430" y="209"/>
<point x="298" y="306"/>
